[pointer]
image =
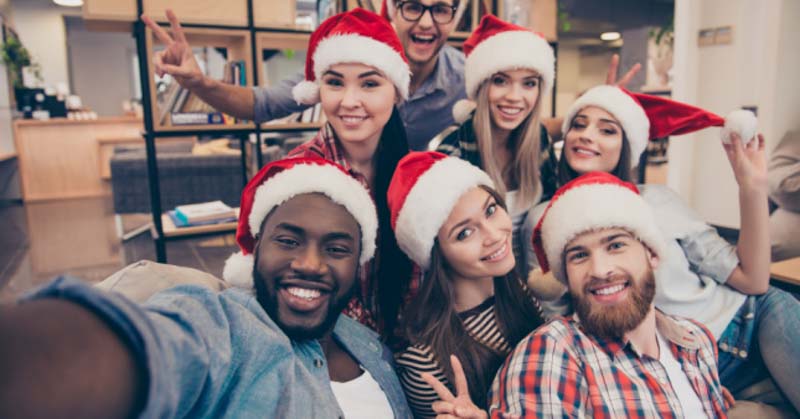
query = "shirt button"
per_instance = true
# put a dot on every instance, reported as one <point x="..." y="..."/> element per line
<point x="723" y="346"/>
<point x="318" y="363"/>
<point x="743" y="354"/>
<point x="749" y="316"/>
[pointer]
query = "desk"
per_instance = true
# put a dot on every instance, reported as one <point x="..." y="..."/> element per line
<point x="787" y="271"/>
<point x="58" y="158"/>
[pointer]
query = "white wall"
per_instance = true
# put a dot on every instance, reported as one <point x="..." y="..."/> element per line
<point x="758" y="68"/>
<point x="40" y="26"/>
<point x="577" y="72"/>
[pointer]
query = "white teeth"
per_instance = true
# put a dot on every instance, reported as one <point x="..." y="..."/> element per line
<point x="585" y="152"/>
<point x="610" y="290"/>
<point x="423" y="38"/>
<point x="308" y="294"/>
<point x="510" y="111"/>
<point x="353" y="119"/>
<point x="496" y="254"/>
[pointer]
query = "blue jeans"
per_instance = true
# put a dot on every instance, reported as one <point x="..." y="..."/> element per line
<point x="762" y="340"/>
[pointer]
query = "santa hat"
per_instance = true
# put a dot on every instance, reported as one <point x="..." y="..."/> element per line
<point x="590" y="202"/>
<point x="389" y="9"/>
<point x="424" y="188"/>
<point x="496" y="45"/>
<point x="282" y="180"/>
<point x="357" y="36"/>
<point x="645" y="117"/>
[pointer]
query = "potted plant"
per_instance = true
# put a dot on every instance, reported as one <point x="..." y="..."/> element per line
<point x="16" y="57"/>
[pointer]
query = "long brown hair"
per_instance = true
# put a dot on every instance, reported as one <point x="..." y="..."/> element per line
<point x="524" y="144"/>
<point x="432" y="320"/>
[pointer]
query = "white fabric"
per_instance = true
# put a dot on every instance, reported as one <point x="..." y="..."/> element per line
<point x="690" y="402"/>
<point x="690" y="278"/>
<point x="362" y="398"/>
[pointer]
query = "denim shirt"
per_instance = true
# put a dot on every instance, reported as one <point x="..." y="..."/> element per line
<point x="218" y="354"/>
<point x="427" y="112"/>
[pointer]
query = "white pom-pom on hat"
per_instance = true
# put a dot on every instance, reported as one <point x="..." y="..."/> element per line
<point x="238" y="270"/>
<point x="463" y="109"/>
<point x="742" y="122"/>
<point x="306" y="93"/>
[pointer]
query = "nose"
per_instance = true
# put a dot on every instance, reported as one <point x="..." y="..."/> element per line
<point x="426" y="20"/>
<point x="309" y="262"/>
<point x="601" y="266"/>
<point x="350" y="99"/>
<point x="493" y="234"/>
<point x="514" y="92"/>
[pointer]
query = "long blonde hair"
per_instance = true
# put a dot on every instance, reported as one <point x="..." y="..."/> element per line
<point x="524" y="144"/>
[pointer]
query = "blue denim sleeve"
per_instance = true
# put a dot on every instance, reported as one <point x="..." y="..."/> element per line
<point x="181" y="336"/>
<point x="277" y="101"/>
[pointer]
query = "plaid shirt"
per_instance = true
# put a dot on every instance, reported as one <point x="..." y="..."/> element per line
<point x="363" y="307"/>
<point x="560" y="371"/>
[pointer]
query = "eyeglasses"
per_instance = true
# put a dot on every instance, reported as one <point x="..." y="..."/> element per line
<point x="440" y="13"/>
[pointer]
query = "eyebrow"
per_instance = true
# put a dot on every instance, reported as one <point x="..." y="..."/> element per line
<point x="610" y="121"/>
<point x="455" y="227"/>
<point x="361" y="76"/>
<point x="604" y="240"/>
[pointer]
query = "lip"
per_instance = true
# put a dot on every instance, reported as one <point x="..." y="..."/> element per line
<point x="300" y="304"/>
<point x="413" y="37"/>
<point x="515" y="112"/>
<point x="498" y="254"/>
<point x="352" y="121"/>
<point x="612" y="298"/>
<point x="583" y="152"/>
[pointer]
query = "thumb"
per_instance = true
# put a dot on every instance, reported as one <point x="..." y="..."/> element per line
<point x="471" y="412"/>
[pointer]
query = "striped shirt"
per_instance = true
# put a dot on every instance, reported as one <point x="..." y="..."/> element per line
<point x="559" y="371"/>
<point x="480" y="322"/>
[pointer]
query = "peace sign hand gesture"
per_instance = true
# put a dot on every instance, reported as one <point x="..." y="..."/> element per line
<point x="177" y="58"/>
<point x="450" y="406"/>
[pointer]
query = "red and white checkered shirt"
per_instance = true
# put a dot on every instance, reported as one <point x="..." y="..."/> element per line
<point x="560" y="371"/>
<point x="363" y="307"/>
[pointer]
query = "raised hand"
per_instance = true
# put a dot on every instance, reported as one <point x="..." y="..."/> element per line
<point x="749" y="162"/>
<point x="450" y="406"/>
<point x="611" y="76"/>
<point x="177" y="58"/>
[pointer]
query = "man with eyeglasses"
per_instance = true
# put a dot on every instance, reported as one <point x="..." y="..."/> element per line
<point x="423" y="26"/>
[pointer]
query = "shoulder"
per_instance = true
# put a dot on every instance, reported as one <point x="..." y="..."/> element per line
<point x="659" y="194"/>
<point x="416" y="357"/>
<point x="314" y="147"/>
<point x="453" y="59"/>
<point x="552" y="338"/>
<point x="352" y="329"/>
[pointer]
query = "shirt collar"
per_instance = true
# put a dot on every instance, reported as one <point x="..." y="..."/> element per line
<point x="439" y="79"/>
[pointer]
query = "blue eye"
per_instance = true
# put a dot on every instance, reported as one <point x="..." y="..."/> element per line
<point x="616" y="245"/>
<point x="498" y="80"/>
<point x="532" y="83"/>
<point x="332" y="81"/>
<point x="577" y="256"/>
<point x="491" y="209"/>
<point x="464" y="234"/>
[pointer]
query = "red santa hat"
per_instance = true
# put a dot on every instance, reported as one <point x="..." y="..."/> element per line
<point x="496" y="45"/>
<point x="389" y="9"/>
<point x="282" y="180"/>
<point x="424" y="188"/>
<point x="590" y="202"/>
<point x="645" y="117"/>
<point x="357" y="36"/>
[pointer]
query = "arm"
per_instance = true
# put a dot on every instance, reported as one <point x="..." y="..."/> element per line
<point x="61" y="360"/>
<point x="750" y="169"/>
<point x="178" y="60"/>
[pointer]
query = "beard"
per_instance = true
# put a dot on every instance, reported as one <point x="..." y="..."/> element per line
<point x="267" y="296"/>
<point x="613" y="322"/>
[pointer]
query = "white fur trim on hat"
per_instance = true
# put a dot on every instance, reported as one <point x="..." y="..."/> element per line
<point x="595" y="207"/>
<point x="462" y="6"/>
<point x="741" y="122"/>
<point x="429" y="202"/>
<point x="463" y="109"/>
<point x="354" y="48"/>
<point x="624" y="108"/>
<point x="238" y="270"/>
<point x="306" y="93"/>
<point x="325" y="179"/>
<point x="509" y="51"/>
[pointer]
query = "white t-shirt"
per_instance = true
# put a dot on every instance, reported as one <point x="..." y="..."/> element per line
<point x="362" y="398"/>
<point x="690" y="402"/>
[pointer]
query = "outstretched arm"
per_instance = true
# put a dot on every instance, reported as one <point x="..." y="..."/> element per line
<point x="750" y="169"/>
<point x="60" y="360"/>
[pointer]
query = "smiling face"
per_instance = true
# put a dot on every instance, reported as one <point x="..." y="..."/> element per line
<point x="611" y="280"/>
<point x="513" y="95"/>
<point x="593" y="142"/>
<point x="476" y="237"/>
<point x="306" y="261"/>
<point x="357" y="100"/>
<point x="423" y="39"/>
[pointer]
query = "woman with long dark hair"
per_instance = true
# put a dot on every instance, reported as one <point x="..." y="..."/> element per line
<point x="357" y="70"/>
<point x="453" y="224"/>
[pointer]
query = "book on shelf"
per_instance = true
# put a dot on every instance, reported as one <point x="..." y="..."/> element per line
<point x="310" y="115"/>
<point x="198" y="118"/>
<point x="178" y="222"/>
<point x="214" y="211"/>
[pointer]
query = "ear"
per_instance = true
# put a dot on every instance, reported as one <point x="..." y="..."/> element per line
<point x="652" y="258"/>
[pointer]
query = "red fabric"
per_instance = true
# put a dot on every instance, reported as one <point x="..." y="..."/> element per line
<point x="244" y="237"/>
<point x="669" y="117"/>
<point x="408" y="171"/>
<point x="385" y="11"/>
<point x="490" y="26"/>
<point x="587" y="179"/>
<point x="357" y="21"/>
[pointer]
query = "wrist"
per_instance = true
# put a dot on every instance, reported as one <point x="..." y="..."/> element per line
<point x="754" y="185"/>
